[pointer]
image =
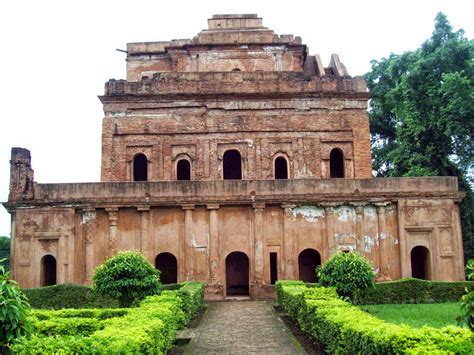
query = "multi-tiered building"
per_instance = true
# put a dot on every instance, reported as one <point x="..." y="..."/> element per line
<point x="236" y="158"/>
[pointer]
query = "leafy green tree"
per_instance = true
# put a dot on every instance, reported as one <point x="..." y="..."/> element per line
<point x="422" y="114"/>
<point x="14" y="308"/>
<point x="347" y="272"/>
<point x="5" y="252"/>
<point x="126" y="277"/>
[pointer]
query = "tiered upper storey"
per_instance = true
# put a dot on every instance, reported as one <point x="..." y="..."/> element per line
<point x="236" y="86"/>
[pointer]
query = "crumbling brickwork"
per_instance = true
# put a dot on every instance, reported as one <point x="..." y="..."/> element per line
<point x="276" y="150"/>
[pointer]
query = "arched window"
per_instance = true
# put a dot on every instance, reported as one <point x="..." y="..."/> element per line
<point x="281" y="168"/>
<point x="183" y="170"/>
<point x="336" y="163"/>
<point x="232" y="165"/>
<point x="140" y="168"/>
<point x="168" y="266"/>
<point x="48" y="270"/>
<point x="420" y="262"/>
<point x="307" y="262"/>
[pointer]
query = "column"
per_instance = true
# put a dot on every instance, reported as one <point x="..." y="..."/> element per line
<point x="89" y="218"/>
<point x="188" y="247"/>
<point x="331" y="243"/>
<point x="288" y="242"/>
<point x="13" y="252"/>
<point x="384" y="266"/>
<point x="112" y="214"/>
<point x="258" y="241"/>
<point x="359" y="210"/>
<point x="144" y="228"/>
<point x="214" y="254"/>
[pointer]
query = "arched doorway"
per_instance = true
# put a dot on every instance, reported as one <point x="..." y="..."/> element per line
<point x="281" y="168"/>
<point x="420" y="262"/>
<point x="237" y="273"/>
<point x="232" y="165"/>
<point x="307" y="262"/>
<point x="336" y="163"/>
<point x="48" y="270"/>
<point x="140" y="168"/>
<point x="183" y="170"/>
<point x="168" y="266"/>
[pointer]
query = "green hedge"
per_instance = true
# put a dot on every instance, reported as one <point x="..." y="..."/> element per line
<point x="343" y="328"/>
<point x="412" y="290"/>
<point x="148" y="329"/>
<point x="67" y="296"/>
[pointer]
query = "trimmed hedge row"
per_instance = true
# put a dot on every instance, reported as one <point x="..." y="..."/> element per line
<point x="411" y="290"/>
<point x="149" y="328"/>
<point x="342" y="328"/>
<point x="67" y="296"/>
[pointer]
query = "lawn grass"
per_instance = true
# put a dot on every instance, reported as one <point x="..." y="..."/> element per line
<point x="436" y="315"/>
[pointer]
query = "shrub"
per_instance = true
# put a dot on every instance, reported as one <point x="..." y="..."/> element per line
<point x="467" y="301"/>
<point x="67" y="296"/>
<point x="127" y="277"/>
<point x="347" y="272"/>
<point x="412" y="290"/>
<point x="148" y="329"/>
<point x="343" y="328"/>
<point x="14" y="308"/>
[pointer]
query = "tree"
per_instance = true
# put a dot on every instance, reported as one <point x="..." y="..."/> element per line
<point x="5" y="252"/>
<point x="14" y="308"/>
<point x="421" y="114"/>
<point x="347" y="272"/>
<point x="127" y="277"/>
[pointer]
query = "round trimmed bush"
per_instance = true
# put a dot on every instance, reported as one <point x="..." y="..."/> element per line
<point x="347" y="272"/>
<point x="126" y="277"/>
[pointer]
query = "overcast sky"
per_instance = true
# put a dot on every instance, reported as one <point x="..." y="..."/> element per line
<point x="55" y="57"/>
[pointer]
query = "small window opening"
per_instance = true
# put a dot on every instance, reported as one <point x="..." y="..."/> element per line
<point x="232" y="165"/>
<point x="140" y="168"/>
<point x="236" y="69"/>
<point x="281" y="168"/>
<point x="336" y="162"/>
<point x="273" y="268"/>
<point x="183" y="170"/>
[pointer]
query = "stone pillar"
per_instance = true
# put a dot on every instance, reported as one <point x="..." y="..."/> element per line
<point x="359" y="210"/>
<point x="331" y="243"/>
<point x="89" y="219"/>
<point x="288" y="242"/>
<point x="258" y="241"/>
<point x="144" y="228"/>
<point x="188" y="246"/>
<point x="112" y="214"/>
<point x="214" y="252"/>
<point x="384" y="266"/>
<point x="13" y="251"/>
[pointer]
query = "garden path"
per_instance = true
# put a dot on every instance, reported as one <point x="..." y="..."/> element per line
<point x="243" y="327"/>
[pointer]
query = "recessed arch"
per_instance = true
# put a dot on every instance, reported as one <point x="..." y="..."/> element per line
<point x="48" y="270"/>
<point x="336" y="163"/>
<point x="140" y="167"/>
<point x="183" y="170"/>
<point x="420" y="263"/>
<point x="280" y="168"/>
<point x="237" y="273"/>
<point x="168" y="266"/>
<point x="308" y="260"/>
<point x="232" y="165"/>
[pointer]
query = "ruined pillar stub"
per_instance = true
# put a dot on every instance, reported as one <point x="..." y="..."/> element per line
<point x="21" y="175"/>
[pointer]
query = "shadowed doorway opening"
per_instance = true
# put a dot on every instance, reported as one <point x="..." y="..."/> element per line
<point x="48" y="270"/>
<point x="183" y="170"/>
<point x="168" y="266"/>
<point x="140" y="168"/>
<point x="281" y="168"/>
<point x="336" y="163"/>
<point x="307" y="262"/>
<point x="237" y="273"/>
<point x="420" y="263"/>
